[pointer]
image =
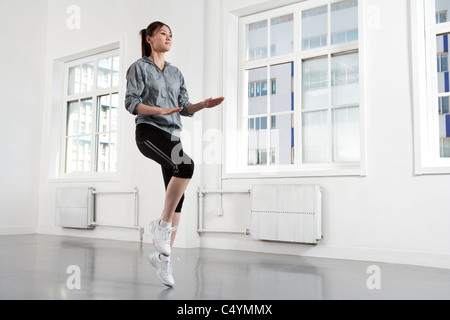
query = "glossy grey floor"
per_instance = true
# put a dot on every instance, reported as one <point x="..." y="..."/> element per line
<point x="49" y="267"/>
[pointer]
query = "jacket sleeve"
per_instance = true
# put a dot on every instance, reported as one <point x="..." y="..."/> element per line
<point x="135" y="87"/>
<point x="183" y="98"/>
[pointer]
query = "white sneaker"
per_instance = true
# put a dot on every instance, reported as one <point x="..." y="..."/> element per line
<point x="161" y="237"/>
<point x="164" y="269"/>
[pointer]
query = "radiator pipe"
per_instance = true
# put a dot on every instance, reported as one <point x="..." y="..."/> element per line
<point x="244" y="232"/>
<point x="141" y="230"/>
<point x="200" y="195"/>
<point x="204" y="191"/>
<point x="134" y="192"/>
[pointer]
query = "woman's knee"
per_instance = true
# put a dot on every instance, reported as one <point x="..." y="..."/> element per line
<point x="185" y="170"/>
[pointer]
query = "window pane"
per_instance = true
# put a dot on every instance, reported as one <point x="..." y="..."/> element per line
<point x="86" y="116"/>
<point x="73" y="116"/>
<point x="442" y="54"/>
<point x="315" y="83"/>
<point x="256" y="37"/>
<point x="71" y="155"/>
<point x="282" y="139"/>
<point x="263" y="156"/>
<point x="442" y="7"/>
<point x="282" y="35"/>
<point x="345" y="79"/>
<point x="444" y="134"/>
<point x="87" y="77"/>
<point x="113" y="153"/>
<point x="282" y="98"/>
<point x="263" y="123"/>
<point x="257" y="141"/>
<point x="315" y="137"/>
<point x="251" y="124"/>
<point x="344" y="21"/>
<point x="84" y="154"/>
<point x="116" y="70"/>
<point x="264" y="88"/>
<point x="315" y="28"/>
<point x="444" y="105"/>
<point x="114" y="111"/>
<point x="104" y="73"/>
<point x="445" y="148"/>
<point x="442" y="62"/>
<point x="252" y="157"/>
<point x="257" y="104"/>
<point x="251" y="90"/>
<point x="104" y="113"/>
<point x="346" y="143"/>
<point x="103" y="153"/>
<point x="74" y="80"/>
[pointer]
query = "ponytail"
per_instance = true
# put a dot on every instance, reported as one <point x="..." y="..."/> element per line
<point x="145" y="46"/>
<point x="150" y="31"/>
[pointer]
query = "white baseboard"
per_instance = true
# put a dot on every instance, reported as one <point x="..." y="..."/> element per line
<point x="416" y="258"/>
<point x="108" y="233"/>
<point x="17" y="230"/>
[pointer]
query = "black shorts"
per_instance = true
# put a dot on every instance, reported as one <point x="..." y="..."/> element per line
<point x="166" y="150"/>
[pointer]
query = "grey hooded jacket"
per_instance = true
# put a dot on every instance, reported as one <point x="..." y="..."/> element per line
<point x="149" y="85"/>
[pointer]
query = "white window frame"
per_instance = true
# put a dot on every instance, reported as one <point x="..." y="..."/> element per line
<point x="235" y="142"/>
<point x="95" y="94"/>
<point x="424" y="66"/>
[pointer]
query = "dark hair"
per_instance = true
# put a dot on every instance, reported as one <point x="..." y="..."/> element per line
<point x="150" y="31"/>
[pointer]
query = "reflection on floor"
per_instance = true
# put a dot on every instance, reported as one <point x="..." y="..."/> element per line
<point x="51" y="267"/>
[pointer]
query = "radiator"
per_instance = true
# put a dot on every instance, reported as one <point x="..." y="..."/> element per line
<point x="75" y="207"/>
<point x="286" y="213"/>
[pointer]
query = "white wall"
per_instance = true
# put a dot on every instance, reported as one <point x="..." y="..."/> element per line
<point x="22" y="37"/>
<point x="390" y="215"/>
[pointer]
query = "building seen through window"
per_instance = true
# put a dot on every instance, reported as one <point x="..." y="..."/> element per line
<point x="442" y="45"/>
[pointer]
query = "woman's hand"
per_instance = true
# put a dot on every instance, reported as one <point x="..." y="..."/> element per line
<point x="211" y="103"/>
<point x="166" y="112"/>
<point x="207" y="104"/>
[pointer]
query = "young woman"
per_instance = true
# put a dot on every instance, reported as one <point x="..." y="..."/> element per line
<point x="157" y="95"/>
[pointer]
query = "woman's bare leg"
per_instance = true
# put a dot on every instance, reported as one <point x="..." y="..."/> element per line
<point x="175" y="223"/>
<point x="175" y="190"/>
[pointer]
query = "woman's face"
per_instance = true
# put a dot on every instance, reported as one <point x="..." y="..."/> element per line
<point x="161" y="41"/>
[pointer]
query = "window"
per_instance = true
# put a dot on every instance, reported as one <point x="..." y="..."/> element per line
<point x="441" y="9"/>
<point x="261" y="89"/>
<point x="443" y="93"/>
<point x="431" y="85"/>
<point x="91" y="102"/>
<point x="309" y="117"/>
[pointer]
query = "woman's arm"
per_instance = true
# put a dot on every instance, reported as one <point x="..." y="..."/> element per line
<point x="146" y="110"/>
<point x="207" y="104"/>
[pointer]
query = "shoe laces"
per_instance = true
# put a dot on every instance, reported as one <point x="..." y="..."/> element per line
<point x="167" y="233"/>
<point x="168" y="264"/>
